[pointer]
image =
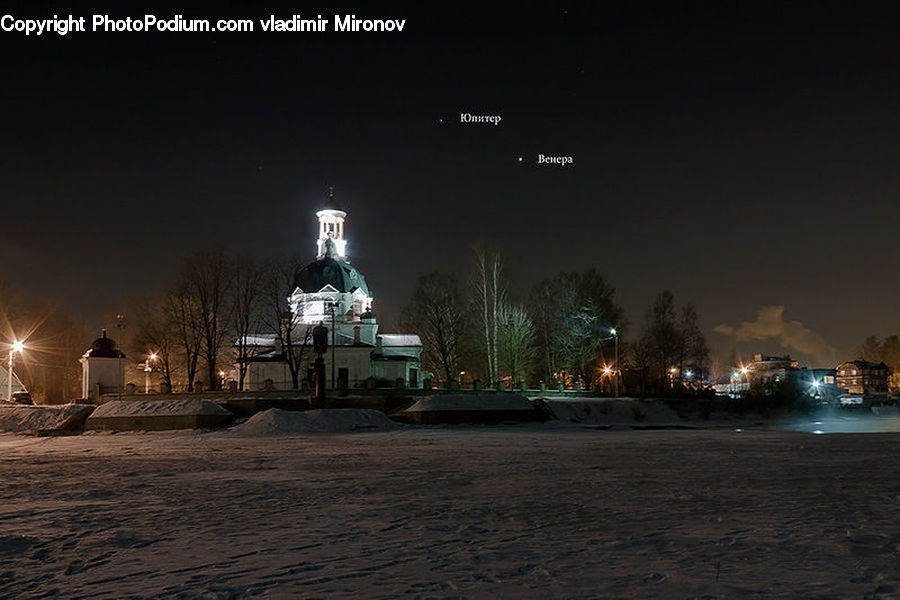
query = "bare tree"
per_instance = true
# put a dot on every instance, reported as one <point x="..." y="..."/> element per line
<point x="436" y="313"/>
<point x="581" y="339"/>
<point x="516" y="341"/>
<point x="695" y="352"/>
<point x="245" y="314"/>
<point x="543" y="307"/>
<point x="870" y="350"/>
<point x="573" y="314"/>
<point x="670" y="341"/>
<point x="209" y="281"/>
<point x="490" y="292"/>
<point x="291" y="333"/>
<point x="890" y="352"/>
<point x="184" y="313"/>
<point x="662" y="338"/>
<point x="156" y="335"/>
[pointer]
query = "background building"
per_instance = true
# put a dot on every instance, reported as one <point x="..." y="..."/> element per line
<point x="860" y="377"/>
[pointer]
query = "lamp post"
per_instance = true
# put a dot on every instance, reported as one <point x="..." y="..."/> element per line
<point x="615" y="335"/>
<point x="16" y="346"/>
<point x="120" y="325"/>
<point x="148" y="370"/>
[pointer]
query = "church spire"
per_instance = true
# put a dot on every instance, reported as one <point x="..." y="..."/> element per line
<point x="331" y="228"/>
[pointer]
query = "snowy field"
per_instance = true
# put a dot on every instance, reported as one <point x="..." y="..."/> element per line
<point x="537" y="511"/>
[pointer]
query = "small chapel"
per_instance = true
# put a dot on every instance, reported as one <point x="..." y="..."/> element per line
<point x="331" y="292"/>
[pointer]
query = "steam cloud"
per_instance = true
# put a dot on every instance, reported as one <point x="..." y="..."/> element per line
<point x="793" y="335"/>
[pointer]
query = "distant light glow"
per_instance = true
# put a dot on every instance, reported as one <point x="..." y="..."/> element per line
<point x="17" y="346"/>
<point x="688" y="373"/>
<point x="815" y="384"/>
<point x="152" y="356"/>
<point x="744" y="370"/>
<point x="612" y="331"/>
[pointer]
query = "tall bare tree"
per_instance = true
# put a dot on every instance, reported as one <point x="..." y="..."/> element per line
<point x="155" y="334"/>
<point x="209" y="281"/>
<point x="435" y="312"/>
<point x="291" y="333"/>
<point x="870" y="350"/>
<point x="489" y="287"/>
<point x="246" y="300"/>
<point x="573" y="313"/>
<point x="516" y="341"/>
<point x="184" y="313"/>
<point x="671" y="341"/>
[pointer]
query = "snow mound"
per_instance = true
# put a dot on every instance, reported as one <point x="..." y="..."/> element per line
<point x="20" y="418"/>
<point x="158" y="408"/>
<point x="333" y="420"/>
<point x="461" y="402"/>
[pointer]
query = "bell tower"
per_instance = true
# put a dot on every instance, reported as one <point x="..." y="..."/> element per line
<point x="331" y="226"/>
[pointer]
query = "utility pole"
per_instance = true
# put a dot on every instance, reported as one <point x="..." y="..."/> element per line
<point x="615" y="335"/>
<point x="13" y="348"/>
<point x="120" y="325"/>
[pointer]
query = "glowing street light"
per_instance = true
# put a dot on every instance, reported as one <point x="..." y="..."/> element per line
<point x="148" y="369"/>
<point x="16" y="346"/>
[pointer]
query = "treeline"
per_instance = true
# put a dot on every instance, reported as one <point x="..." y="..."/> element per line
<point x="876" y="350"/>
<point x="208" y="316"/>
<point x="564" y="331"/>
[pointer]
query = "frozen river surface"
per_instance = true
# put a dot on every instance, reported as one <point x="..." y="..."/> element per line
<point x="530" y="512"/>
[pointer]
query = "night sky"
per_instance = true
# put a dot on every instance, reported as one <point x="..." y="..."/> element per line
<point x="743" y="155"/>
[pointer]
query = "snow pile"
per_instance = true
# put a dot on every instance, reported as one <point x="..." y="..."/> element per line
<point x="158" y="408"/>
<point x="461" y="402"/>
<point x="334" y="420"/>
<point x="611" y="410"/>
<point x="20" y="418"/>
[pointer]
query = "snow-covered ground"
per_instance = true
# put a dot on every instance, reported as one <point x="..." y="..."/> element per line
<point x="537" y="511"/>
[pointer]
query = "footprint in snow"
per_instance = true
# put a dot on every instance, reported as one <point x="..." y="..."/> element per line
<point x="655" y="578"/>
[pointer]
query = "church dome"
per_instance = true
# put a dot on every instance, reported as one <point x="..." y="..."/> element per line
<point x="104" y="347"/>
<point x="340" y="275"/>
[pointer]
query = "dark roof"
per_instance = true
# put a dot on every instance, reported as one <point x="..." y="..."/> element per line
<point x="104" y="347"/>
<point x="864" y="364"/>
<point x="340" y="275"/>
<point x="332" y="204"/>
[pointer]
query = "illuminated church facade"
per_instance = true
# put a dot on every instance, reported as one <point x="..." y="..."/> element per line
<point x="332" y="292"/>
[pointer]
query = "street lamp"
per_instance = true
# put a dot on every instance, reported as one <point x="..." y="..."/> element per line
<point x="148" y="369"/>
<point x="120" y="325"/>
<point x="615" y="335"/>
<point x="16" y="346"/>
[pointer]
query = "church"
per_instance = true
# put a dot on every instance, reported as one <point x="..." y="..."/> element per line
<point x="332" y="292"/>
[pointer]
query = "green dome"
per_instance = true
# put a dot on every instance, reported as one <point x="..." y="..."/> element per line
<point x="340" y="275"/>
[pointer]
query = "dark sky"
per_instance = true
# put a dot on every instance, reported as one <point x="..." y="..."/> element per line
<point x="743" y="155"/>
